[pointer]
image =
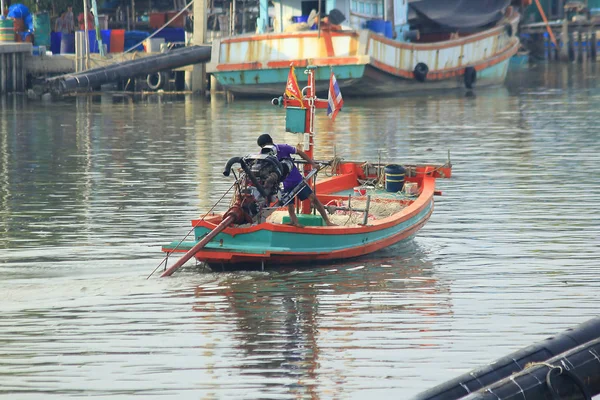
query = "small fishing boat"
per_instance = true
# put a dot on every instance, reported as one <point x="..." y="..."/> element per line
<point x="373" y="206"/>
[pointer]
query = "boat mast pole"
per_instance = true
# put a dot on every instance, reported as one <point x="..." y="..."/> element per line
<point x="309" y="128"/>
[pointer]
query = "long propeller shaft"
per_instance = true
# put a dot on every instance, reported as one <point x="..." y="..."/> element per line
<point x="205" y="240"/>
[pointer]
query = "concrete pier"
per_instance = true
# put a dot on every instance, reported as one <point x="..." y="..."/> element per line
<point x="12" y="66"/>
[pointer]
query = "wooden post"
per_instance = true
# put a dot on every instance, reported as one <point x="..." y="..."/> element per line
<point x="17" y="71"/>
<point x="133" y="14"/>
<point x="23" y="71"/>
<point x="231" y="18"/>
<point x="2" y="73"/>
<point x="571" y="48"/>
<point x="557" y="50"/>
<point x="199" y="70"/>
<point x="87" y="34"/>
<point x="243" y="16"/>
<point x="14" y="72"/>
<point x="564" y="34"/>
<point x="579" y="46"/>
<point x="593" y="48"/>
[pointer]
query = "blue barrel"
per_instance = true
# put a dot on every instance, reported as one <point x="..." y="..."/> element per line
<point x="41" y="29"/>
<point x="394" y="177"/>
<point x="67" y="43"/>
<point x="55" y="39"/>
<point x="389" y="31"/>
<point x="380" y="26"/>
<point x="93" y="41"/>
<point x="105" y="35"/>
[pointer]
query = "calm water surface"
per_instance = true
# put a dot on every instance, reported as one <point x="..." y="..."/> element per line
<point x="90" y="189"/>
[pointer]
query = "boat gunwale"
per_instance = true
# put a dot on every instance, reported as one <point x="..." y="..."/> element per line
<point x="228" y="256"/>
<point x="511" y="19"/>
<point x="421" y="202"/>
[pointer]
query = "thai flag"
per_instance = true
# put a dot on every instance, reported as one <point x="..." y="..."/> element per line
<point x="334" y="100"/>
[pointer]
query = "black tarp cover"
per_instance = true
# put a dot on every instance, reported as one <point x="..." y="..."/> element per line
<point x="457" y="14"/>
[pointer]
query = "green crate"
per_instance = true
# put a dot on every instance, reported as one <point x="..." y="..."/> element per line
<point x="306" y="220"/>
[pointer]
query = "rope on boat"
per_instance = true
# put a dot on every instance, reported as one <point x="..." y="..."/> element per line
<point x="164" y="260"/>
<point x="557" y="371"/>
<point x="334" y="164"/>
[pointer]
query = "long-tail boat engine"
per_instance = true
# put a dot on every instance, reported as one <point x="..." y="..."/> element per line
<point x="258" y="186"/>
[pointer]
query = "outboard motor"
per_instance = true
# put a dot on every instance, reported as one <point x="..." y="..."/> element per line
<point x="259" y="184"/>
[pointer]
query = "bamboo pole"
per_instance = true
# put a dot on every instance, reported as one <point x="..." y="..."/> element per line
<point x="543" y="14"/>
<point x="97" y="25"/>
<point x="87" y="35"/>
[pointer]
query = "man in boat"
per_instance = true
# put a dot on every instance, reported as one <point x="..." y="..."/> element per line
<point x="294" y="178"/>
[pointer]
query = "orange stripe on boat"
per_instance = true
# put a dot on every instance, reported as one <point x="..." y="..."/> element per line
<point x="239" y="66"/>
<point x="334" y="61"/>
<point x="276" y="36"/>
<point x="287" y="63"/>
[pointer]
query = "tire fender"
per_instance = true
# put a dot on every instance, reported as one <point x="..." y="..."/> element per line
<point x="470" y="77"/>
<point x="156" y="80"/>
<point x="420" y="72"/>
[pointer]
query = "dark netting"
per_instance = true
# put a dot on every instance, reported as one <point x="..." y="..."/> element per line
<point x="457" y="14"/>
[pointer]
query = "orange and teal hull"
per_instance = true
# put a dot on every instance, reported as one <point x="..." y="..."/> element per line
<point x="274" y="243"/>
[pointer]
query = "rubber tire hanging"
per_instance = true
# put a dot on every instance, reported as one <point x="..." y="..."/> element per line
<point x="156" y="80"/>
<point x="470" y="76"/>
<point x="420" y="72"/>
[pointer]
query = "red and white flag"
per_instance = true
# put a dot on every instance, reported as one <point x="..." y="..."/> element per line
<point x="334" y="99"/>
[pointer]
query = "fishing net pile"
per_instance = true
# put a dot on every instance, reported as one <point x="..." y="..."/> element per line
<point x="378" y="209"/>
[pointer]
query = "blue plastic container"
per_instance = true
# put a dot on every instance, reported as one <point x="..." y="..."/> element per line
<point x="132" y="38"/>
<point x="93" y="41"/>
<point x="171" y="35"/>
<point x="105" y="35"/>
<point x="67" y="43"/>
<point x="55" y="42"/>
<point x="301" y="18"/>
<point x="394" y="177"/>
<point x="389" y="30"/>
<point x="380" y="26"/>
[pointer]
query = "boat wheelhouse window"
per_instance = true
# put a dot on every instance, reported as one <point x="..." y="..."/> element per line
<point x="361" y="7"/>
<point x="354" y="5"/>
<point x="368" y="8"/>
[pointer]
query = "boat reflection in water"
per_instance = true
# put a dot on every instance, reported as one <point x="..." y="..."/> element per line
<point x="295" y="323"/>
